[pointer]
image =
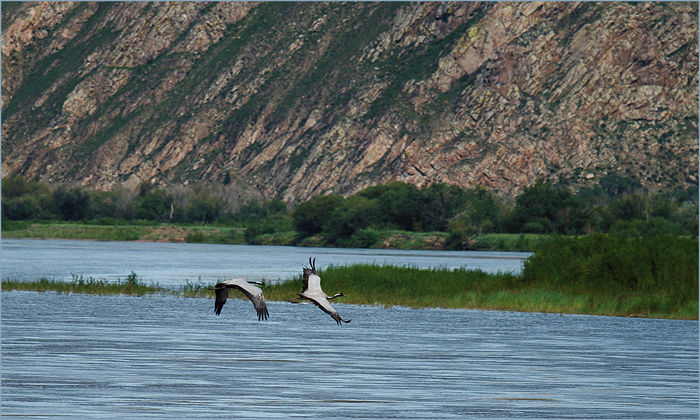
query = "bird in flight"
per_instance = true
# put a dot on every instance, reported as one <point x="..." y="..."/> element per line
<point x="312" y="291"/>
<point x="253" y="293"/>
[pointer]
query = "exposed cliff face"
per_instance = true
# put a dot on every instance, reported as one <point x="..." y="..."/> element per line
<point x="301" y="99"/>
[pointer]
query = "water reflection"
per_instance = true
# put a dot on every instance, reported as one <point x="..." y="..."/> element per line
<point x="160" y="356"/>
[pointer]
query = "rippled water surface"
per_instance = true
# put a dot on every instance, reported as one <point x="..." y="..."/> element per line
<point x="171" y="264"/>
<point x="124" y="357"/>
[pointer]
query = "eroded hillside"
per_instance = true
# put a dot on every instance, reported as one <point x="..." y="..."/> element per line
<point x="300" y="99"/>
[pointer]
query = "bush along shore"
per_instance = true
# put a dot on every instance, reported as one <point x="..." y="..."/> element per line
<point x="181" y="233"/>
<point x="394" y="215"/>
<point x="597" y="275"/>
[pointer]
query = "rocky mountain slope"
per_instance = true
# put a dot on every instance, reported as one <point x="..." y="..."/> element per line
<point x="301" y="99"/>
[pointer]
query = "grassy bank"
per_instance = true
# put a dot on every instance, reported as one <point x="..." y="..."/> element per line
<point x="388" y="286"/>
<point x="164" y="232"/>
<point x="147" y="232"/>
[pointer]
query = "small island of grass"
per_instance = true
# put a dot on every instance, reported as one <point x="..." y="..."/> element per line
<point x="596" y="275"/>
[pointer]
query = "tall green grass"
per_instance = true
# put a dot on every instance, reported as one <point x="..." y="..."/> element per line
<point x="371" y="284"/>
<point x="613" y="264"/>
<point x="647" y="276"/>
<point x="404" y="286"/>
<point x="198" y="289"/>
<point x="132" y="285"/>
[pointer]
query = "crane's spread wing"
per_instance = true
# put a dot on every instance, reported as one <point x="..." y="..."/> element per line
<point x="221" y="296"/>
<point x="320" y="300"/>
<point x="254" y="293"/>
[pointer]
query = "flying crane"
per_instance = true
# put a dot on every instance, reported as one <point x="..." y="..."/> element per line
<point x="312" y="291"/>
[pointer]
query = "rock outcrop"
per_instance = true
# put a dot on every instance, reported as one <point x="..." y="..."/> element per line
<point x="301" y="99"/>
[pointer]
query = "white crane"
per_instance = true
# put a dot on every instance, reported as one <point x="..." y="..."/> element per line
<point x="312" y="291"/>
<point x="253" y="293"/>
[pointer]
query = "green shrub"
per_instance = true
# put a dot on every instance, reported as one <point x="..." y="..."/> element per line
<point x="441" y="202"/>
<point x="71" y="204"/>
<point x="395" y="203"/>
<point x="311" y="216"/>
<point x="205" y="207"/>
<point x="364" y="238"/>
<point x="10" y="225"/>
<point x="23" y="208"/>
<point x="539" y="225"/>
<point x="357" y="212"/>
<point x="196" y="237"/>
<point x="18" y="186"/>
<point x="543" y="208"/>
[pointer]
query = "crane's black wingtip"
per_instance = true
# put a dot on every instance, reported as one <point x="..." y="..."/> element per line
<point x="263" y="315"/>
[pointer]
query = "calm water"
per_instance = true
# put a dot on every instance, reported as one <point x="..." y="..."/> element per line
<point x="171" y="264"/>
<point x="153" y="357"/>
<point x="102" y="357"/>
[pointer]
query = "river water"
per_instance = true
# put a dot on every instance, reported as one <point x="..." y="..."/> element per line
<point x="173" y="264"/>
<point x="103" y="357"/>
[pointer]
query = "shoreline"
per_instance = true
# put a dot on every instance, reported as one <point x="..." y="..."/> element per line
<point x="168" y="233"/>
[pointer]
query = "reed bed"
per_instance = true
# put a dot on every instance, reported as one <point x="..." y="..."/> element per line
<point x="131" y="285"/>
<point x="410" y="287"/>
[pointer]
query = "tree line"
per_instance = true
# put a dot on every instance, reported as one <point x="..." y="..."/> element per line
<point x="616" y="205"/>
